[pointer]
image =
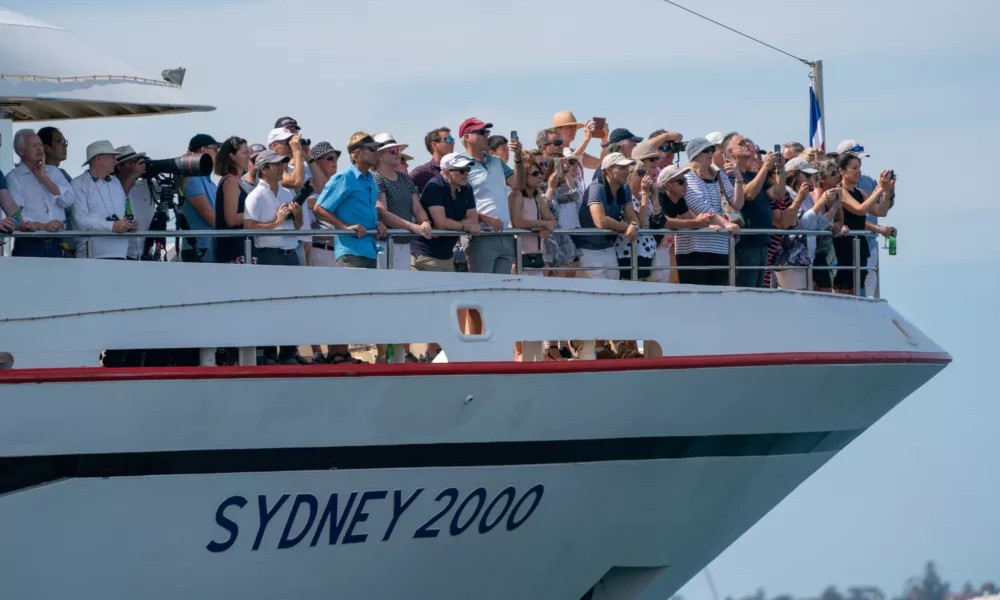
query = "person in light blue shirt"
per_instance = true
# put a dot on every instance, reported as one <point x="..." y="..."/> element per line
<point x="348" y="201"/>
<point x="199" y="201"/>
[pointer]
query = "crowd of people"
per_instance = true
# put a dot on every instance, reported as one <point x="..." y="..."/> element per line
<point x="719" y="182"/>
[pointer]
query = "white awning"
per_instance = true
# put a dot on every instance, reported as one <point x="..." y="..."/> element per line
<point x="49" y="73"/>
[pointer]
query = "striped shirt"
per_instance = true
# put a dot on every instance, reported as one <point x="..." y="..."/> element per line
<point x="703" y="197"/>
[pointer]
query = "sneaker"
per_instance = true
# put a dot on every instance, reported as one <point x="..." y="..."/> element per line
<point x="318" y="358"/>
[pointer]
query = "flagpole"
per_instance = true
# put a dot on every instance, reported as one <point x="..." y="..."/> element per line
<point x="817" y="77"/>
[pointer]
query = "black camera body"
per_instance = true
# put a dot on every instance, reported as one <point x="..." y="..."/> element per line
<point x="674" y="147"/>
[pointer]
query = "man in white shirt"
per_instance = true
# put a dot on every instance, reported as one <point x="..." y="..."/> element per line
<point x="269" y="206"/>
<point x="100" y="204"/>
<point x="42" y="194"/>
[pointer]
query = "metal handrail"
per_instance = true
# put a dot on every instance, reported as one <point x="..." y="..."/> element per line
<point x="732" y="267"/>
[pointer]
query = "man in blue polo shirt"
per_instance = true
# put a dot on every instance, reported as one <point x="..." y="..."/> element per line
<point x="348" y="201"/>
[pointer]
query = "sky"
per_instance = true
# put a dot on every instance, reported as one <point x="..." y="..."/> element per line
<point x="915" y="83"/>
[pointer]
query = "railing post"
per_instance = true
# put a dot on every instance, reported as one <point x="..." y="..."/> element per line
<point x="518" y="261"/>
<point x="90" y="247"/>
<point x="732" y="261"/>
<point x="248" y="250"/>
<point x="878" y="279"/>
<point x="389" y="251"/>
<point x="634" y="262"/>
<point x="856" y="240"/>
<point x="177" y="249"/>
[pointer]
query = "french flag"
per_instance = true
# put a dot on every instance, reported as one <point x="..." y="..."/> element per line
<point x="817" y="139"/>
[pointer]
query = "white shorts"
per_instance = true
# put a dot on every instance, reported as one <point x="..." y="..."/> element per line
<point x="791" y="279"/>
<point x="606" y="258"/>
<point x="400" y="258"/>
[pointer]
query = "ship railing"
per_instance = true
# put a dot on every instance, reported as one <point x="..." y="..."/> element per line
<point x="858" y="237"/>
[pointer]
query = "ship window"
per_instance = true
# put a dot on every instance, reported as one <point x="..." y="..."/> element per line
<point x="470" y="321"/>
<point x="6" y="361"/>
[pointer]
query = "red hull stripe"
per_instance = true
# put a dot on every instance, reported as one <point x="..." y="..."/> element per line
<point x="715" y="361"/>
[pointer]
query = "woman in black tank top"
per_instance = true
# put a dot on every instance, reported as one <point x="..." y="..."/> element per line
<point x="230" y="198"/>
<point x="856" y="207"/>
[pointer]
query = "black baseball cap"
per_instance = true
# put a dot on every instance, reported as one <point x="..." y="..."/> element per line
<point x="200" y="141"/>
<point x="286" y="122"/>
<point x="621" y="134"/>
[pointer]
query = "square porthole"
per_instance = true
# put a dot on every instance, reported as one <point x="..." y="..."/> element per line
<point x="471" y="323"/>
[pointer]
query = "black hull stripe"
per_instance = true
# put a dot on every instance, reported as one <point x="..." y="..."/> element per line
<point x="21" y="472"/>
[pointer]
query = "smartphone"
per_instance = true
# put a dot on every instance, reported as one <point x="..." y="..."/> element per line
<point x="892" y="174"/>
<point x="777" y="149"/>
<point x="600" y="125"/>
<point x="559" y="169"/>
<point x="513" y="135"/>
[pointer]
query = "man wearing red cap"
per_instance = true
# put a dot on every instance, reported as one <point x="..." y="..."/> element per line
<point x="490" y="179"/>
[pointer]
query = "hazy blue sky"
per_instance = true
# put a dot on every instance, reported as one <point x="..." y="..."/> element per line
<point x="916" y="83"/>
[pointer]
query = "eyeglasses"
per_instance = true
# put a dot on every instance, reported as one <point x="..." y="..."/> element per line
<point x="535" y="174"/>
<point x="60" y="142"/>
<point x="393" y="151"/>
<point x="446" y="139"/>
<point x="462" y="170"/>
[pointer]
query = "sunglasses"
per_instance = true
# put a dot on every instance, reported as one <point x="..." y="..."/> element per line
<point x="680" y="180"/>
<point x="483" y="132"/>
<point x="555" y="143"/>
<point x="394" y="151"/>
<point x="856" y="149"/>
<point x="709" y="150"/>
<point x="371" y="147"/>
<point x="446" y="139"/>
<point x="651" y="159"/>
<point x="535" y="174"/>
<point x="463" y="170"/>
<point x="331" y="158"/>
<point x="666" y="149"/>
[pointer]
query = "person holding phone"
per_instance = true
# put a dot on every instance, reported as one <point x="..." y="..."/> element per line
<point x="566" y="124"/>
<point x="564" y="194"/>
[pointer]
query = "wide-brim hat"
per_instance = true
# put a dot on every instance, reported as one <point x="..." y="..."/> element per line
<point x="386" y="141"/>
<point x="127" y="153"/>
<point x="670" y="173"/>
<point x="566" y="118"/>
<point x="95" y="149"/>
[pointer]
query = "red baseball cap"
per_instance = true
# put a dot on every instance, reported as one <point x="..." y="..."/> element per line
<point x="472" y="124"/>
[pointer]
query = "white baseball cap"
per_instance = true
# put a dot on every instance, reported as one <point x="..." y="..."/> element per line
<point x="616" y="159"/>
<point x="670" y="173"/>
<point x="852" y="147"/>
<point x="279" y="135"/>
<point x="455" y="161"/>
<point x="715" y="137"/>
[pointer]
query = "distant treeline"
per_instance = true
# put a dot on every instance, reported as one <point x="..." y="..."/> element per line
<point x="928" y="586"/>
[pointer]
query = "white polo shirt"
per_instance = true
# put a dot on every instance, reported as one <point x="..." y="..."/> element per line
<point x="96" y="200"/>
<point x="39" y="204"/>
<point x="262" y="206"/>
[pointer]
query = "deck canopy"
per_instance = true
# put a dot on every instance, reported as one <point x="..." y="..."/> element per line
<point x="49" y="73"/>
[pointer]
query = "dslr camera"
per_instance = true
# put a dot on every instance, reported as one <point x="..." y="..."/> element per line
<point x="673" y="147"/>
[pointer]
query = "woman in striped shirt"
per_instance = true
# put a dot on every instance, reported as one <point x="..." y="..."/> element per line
<point x="708" y="191"/>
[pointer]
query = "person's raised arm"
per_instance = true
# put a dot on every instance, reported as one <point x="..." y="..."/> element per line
<point x="297" y="177"/>
<point x="516" y="181"/>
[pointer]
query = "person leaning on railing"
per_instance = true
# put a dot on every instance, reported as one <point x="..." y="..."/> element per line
<point x="230" y="199"/>
<point x="448" y="200"/>
<point x="642" y="178"/>
<point x="608" y="205"/>
<point x="856" y="207"/>
<point x="827" y="205"/>
<point x="529" y="210"/>
<point x="709" y="191"/>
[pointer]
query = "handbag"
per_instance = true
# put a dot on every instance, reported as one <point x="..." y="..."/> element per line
<point x="533" y="260"/>
<point x="732" y="215"/>
<point x="793" y="252"/>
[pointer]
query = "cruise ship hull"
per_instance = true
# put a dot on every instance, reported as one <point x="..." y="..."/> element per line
<point x="446" y="481"/>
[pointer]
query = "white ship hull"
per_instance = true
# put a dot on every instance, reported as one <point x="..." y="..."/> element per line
<point x="472" y="479"/>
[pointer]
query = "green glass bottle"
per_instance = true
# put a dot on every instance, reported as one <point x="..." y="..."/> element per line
<point x="18" y="217"/>
<point x="390" y="353"/>
<point x="892" y="245"/>
<point x="129" y="215"/>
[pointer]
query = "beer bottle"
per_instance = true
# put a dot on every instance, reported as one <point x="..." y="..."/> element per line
<point x="129" y="215"/>
<point x="892" y="245"/>
<point x="17" y="218"/>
